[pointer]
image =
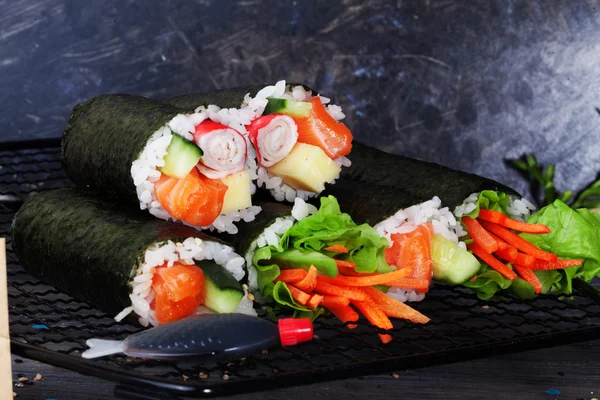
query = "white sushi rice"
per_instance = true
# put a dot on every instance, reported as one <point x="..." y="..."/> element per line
<point x="186" y="252"/>
<point x="145" y="173"/>
<point x="518" y="208"/>
<point x="272" y="235"/>
<point x="407" y="220"/>
<point x="256" y="105"/>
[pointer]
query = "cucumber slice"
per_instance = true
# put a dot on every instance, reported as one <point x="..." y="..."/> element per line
<point x="298" y="109"/>
<point x="452" y="264"/>
<point x="222" y="293"/>
<point x="182" y="156"/>
<point x="296" y="259"/>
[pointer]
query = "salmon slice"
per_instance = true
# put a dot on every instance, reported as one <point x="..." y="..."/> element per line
<point x="413" y="250"/>
<point x="194" y="199"/>
<point x="184" y="283"/>
<point x="322" y="130"/>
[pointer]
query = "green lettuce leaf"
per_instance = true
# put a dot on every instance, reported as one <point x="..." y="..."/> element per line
<point x="329" y="225"/>
<point x="490" y="200"/>
<point x="574" y="234"/>
<point x="488" y="283"/>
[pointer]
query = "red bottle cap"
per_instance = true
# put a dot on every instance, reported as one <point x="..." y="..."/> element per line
<point x="295" y="330"/>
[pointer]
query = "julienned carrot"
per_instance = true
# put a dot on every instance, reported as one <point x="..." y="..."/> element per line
<point x="491" y="261"/>
<point x="375" y="316"/>
<point x="337" y="248"/>
<point x="541" y="265"/>
<point x="351" y="293"/>
<point x="351" y="272"/>
<point x="334" y="301"/>
<point x="529" y="276"/>
<point x="379" y="279"/>
<point x="518" y="241"/>
<point x="525" y="259"/>
<point x="490" y="215"/>
<point x="291" y="275"/>
<point x="502" y="245"/>
<point x="395" y="308"/>
<point x="480" y="235"/>
<point x="315" y="301"/>
<point x="344" y="264"/>
<point x="344" y="314"/>
<point x="310" y="280"/>
<point x="508" y="254"/>
<point x="298" y="295"/>
<point x="498" y="218"/>
<point x="421" y="285"/>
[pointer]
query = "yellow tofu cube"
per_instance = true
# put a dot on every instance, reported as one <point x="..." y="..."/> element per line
<point x="307" y="167"/>
<point x="237" y="196"/>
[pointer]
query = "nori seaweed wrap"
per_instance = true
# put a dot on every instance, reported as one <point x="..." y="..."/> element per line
<point x="93" y="250"/>
<point x="423" y="179"/>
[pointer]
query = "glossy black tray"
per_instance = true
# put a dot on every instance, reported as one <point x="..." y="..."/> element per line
<point x="52" y="327"/>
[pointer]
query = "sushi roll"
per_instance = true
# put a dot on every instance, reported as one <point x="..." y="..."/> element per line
<point x="486" y="242"/>
<point x="306" y="260"/>
<point x="298" y="139"/>
<point x="125" y="262"/>
<point x="177" y="164"/>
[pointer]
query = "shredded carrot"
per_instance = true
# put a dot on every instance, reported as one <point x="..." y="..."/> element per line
<point x="334" y="301"/>
<point x="509" y="254"/>
<point x="518" y="241"/>
<point x="337" y="248"/>
<point x="351" y="272"/>
<point x="528" y="275"/>
<point x="502" y="245"/>
<point x="298" y="295"/>
<point x="422" y="285"/>
<point x="395" y="308"/>
<point x="491" y="261"/>
<point x="351" y="293"/>
<point x="498" y="218"/>
<point x="315" y="301"/>
<point x="480" y="235"/>
<point x="473" y="279"/>
<point x="291" y="275"/>
<point x="344" y="314"/>
<point x="310" y="280"/>
<point x="375" y="316"/>
<point x="541" y="265"/>
<point x="345" y="264"/>
<point x="379" y="279"/>
<point x="525" y="259"/>
<point x="492" y="216"/>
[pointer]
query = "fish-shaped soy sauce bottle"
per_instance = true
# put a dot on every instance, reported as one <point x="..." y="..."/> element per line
<point x="206" y="336"/>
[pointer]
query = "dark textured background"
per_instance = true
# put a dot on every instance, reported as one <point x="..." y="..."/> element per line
<point x="465" y="83"/>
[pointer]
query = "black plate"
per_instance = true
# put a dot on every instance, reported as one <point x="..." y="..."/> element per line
<point x="49" y="326"/>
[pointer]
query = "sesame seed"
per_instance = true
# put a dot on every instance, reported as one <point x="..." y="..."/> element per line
<point x="245" y="287"/>
<point x="186" y="378"/>
<point x="265" y="352"/>
<point x="38" y="377"/>
<point x="225" y="377"/>
<point x="203" y="375"/>
<point x="251" y="296"/>
<point x="19" y="385"/>
<point x="179" y="244"/>
<point x="23" y="379"/>
<point x="395" y="376"/>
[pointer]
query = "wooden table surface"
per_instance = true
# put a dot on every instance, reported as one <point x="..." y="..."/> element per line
<point x="462" y="83"/>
